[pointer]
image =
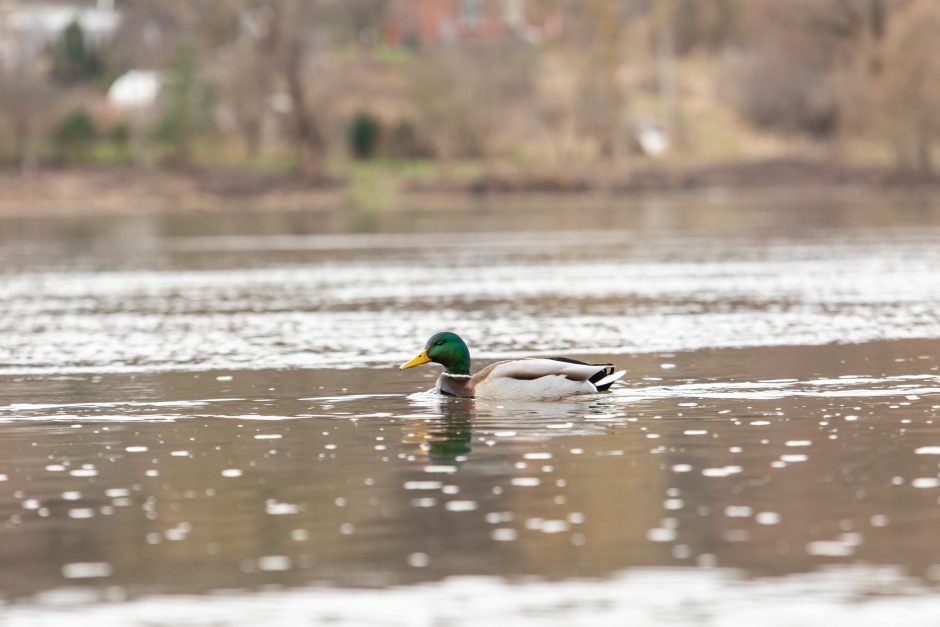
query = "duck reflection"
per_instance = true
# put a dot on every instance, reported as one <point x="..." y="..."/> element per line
<point x="446" y="434"/>
<point x="449" y="441"/>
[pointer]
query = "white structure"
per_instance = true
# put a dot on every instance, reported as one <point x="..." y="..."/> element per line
<point x="27" y="28"/>
<point x="653" y="140"/>
<point x="136" y="89"/>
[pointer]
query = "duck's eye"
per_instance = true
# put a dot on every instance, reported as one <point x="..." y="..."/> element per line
<point x="439" y="343"/>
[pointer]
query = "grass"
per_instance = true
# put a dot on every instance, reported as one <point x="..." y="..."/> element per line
<point x="392" y="55"/>
<point x="413" y="170"/>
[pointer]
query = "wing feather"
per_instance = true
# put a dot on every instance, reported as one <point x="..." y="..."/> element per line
<point x="539" y="378"/>
<point x="536" y="368"/>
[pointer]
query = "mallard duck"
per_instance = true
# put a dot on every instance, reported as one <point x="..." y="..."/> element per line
<point x="530" y="379"/>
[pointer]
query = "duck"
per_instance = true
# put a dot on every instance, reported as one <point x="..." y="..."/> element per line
<point x="528" y="379"/>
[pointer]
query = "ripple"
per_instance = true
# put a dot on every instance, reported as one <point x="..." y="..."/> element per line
<point x="604" y="299"/>
<point x="855" y="386"/>
<point x="677" y="597"/>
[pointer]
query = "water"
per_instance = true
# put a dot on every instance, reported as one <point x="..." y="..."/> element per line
<point x="204" y="421"/>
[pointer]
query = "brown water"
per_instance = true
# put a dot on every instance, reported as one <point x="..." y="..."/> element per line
<point x="212" y="405"/>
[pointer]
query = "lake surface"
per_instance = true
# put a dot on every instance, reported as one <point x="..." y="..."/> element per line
<point x="203" y="420"/>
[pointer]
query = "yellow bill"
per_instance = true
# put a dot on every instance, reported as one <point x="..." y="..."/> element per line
<point x="421" y="358"/>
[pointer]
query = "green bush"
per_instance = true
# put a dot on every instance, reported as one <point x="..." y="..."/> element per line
<point x="118" y="148"/>
<point x="75" y="135"/>
<point x="120" y="135"/>
<point x="364" y="134"/>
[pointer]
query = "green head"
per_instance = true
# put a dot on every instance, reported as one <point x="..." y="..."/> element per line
<point x="444" y="348"/>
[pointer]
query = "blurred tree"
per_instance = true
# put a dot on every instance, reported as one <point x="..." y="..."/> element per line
<point x="26" y="101"/>
<point x="603" y="103"/>
<point x="704" y="24"/>
<point x="404" y="142"/>
<point x="291" y="38"/>
<point x="471" y="101"/>
<point x="73" y="60"/>
<point x="575" y="85"/>
<point x="667" y="23"/>
<point x="781" y="78"/>
<point x="882" y="59"/>
<point x="276" y="38"/>
<point x="248" y="80"/>
<point x="357" y="22"/>
<point x="187" y="101"/>
<point x="909" y="85"/>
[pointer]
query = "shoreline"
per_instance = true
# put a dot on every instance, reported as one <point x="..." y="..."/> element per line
<point x="103" y="191"/>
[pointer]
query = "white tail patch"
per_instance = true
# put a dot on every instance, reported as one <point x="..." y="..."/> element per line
<point x="610" y="378"/>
